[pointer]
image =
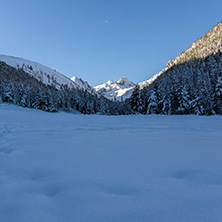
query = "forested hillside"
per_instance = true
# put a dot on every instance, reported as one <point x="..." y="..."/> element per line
<point x="191" y="83"/>
<point x="194" y="87"/>
<point x="18" y="87"/>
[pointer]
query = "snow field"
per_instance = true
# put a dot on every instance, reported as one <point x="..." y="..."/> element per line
<point x="65" y="167"/>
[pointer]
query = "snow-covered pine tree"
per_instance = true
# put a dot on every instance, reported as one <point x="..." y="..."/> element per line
<point x="152" y="107"/>
<point x="218" y="96"/>
<point x="184" y="101"/>
<point x="135" y="100"/>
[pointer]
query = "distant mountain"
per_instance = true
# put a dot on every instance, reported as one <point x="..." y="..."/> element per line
<point x="84" y="85"/>
<point x="191" y="83"/>
<point x="46" y="75"/>
<point x="116" y="90"/>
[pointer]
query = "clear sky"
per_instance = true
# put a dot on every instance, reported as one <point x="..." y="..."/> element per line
<point x="99" y="40"/>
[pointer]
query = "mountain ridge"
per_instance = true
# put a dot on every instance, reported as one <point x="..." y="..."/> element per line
<point x="191" y="53"/>
<point x="191" y="83"/>
<point x="46" y="75"/>
<point x="211" y="38"/>
<point x="116" y="90"/>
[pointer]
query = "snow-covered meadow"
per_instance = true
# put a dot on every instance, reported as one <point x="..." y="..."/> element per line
<point x="63" y="167"/>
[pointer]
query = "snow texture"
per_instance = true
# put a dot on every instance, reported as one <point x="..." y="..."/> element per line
<point x="116" y="90"/>
<point x="65" y="167"/>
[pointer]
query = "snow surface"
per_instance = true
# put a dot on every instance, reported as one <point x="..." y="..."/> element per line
<point x="45" y="74"/>
<point x="66" y="167"/>
<point x="119" y="90"/>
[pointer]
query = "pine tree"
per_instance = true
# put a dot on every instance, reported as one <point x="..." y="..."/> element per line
<point x="184" y="101"/>
<point x="218" y="96"/>
<point x="152" y="107"/>
<point x="135" y="99"/>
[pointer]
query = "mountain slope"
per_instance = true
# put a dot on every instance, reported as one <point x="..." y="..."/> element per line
<point x="46" y="75"/>
<point x="84" y="85"/>
<point x="210" y="43"/>
<point x="190" y="84"/>
<point x="118" y="90"/>
<point x="143" y="84"/>
<point x="20" y="88"/>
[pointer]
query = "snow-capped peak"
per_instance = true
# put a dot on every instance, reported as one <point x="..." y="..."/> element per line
<point x="116" y="90"/>
<point x="110" y="82"/>
<point x="123" y="81"/>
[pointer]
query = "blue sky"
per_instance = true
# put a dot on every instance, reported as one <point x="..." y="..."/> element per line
<point x="99" y="40"/>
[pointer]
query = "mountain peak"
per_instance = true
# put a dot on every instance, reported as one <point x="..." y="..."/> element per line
<point x="110" y="82"/>
<point x="123" y="80"/>
<point x="119" y="90"/>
